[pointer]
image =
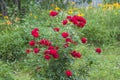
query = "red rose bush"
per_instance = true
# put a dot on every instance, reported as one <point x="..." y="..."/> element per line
<point x="58" y="50"/>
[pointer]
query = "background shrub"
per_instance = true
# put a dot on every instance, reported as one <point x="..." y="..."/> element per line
<point x="12" y="43"/>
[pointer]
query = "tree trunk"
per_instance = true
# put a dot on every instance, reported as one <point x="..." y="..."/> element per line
<point x="3" y="7"/>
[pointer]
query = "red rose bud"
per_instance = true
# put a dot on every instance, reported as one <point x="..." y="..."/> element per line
<point x="64" y="22"/>
<point x="84" y="40"/>
<point x="65" y="34"/>
<point x="68" y="73"/>
<point x="32" y="43"/>
<point x="53" y="13"/>
<point x="47" y="57"/>
<point x="66" y="45"/>
<point x="36" y="50"/>
<point x="56" y="29"/>
<point x="98" y="50"/>
<point x="56" y="47"/>
<point x="28" y="51"/>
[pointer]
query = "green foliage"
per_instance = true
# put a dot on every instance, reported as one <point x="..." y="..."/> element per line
<point x="12" y="43"/>
<point x="5" y="72"/>
<point x="111" y="1"/>
<point x="102" y="28"/>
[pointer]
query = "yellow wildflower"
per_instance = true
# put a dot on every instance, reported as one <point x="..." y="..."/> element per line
<point x="52" y="5"/>
<point x="0" y="14"/>
<point x="72" y="3"/>
<point x="110" y="8"/>
<point x="70" y="11"/>
<point x="75" y="8"/>
<point x="35" y="17"/>
<point x="100" y="5"/>
<point x="57" y="8"/>
<point x="90" y="7"/>
<point x="104" y="9"/>
<point x="30" y="14"/>
<point x="9" y="22"/>
<point x="50" y="10"/>
<point x="116" y="5"/>
<point x="5" y="17"/>
<point x="17" y="19"/>
<point x="80" y="14"/>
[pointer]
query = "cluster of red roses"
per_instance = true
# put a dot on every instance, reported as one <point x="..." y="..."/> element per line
<point x="52" y="51"/>
<point x="78" y="21"/>
<point x="76" y="54"/>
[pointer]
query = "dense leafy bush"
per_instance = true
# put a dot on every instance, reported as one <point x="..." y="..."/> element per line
<point x="12" y="43"/>
<point x="56" y="45"/>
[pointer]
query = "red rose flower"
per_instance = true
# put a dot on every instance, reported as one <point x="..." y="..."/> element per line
<point x="53" y="51"/>
<point x="51" y="47"/>
<point x="73" y="53"/>
<point x="53" y="13"/>
<point x="47" y="57"/>
<point x="32" y="43"/>
<point x="75" y="22"/>
<point x="45" y="42"/>
<point x="68" y="73"/>
<point x="65" y="34"/>
<point x="35" y="33"/>
<point x="56" y="55"/>
<point x="69" y="17"/>
<point x="36" y="50"/>
<point x="81" y="19"/>
<point x="98" y="50"/>
<point x="28" y="51"/>
<point x="68" y="40"/>
<point x="56" y="29"/>
<point x="78" y="55"/>
<point x="47" y="52"/>
<point x="81" y="24"/>
<point x="84" y="40"/>
<point x="64" y="22"/>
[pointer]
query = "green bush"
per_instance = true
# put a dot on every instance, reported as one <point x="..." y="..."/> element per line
<point x="102" y="28"/>
<point x="12" y="43"/>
